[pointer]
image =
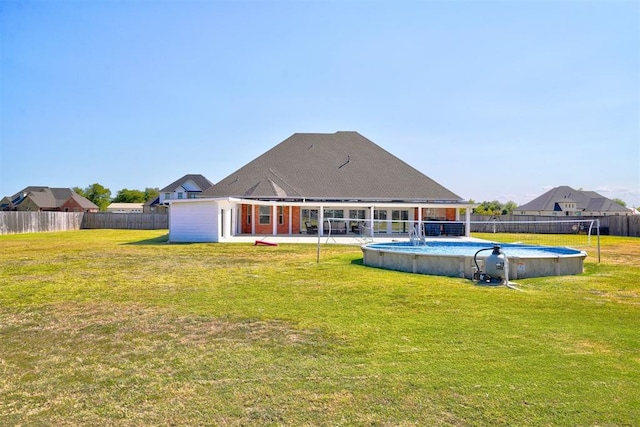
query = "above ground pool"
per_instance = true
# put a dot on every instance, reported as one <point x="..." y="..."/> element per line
<point x="455" y="259"/>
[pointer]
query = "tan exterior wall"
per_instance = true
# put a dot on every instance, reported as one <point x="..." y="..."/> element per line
<point x="29" y="205"/>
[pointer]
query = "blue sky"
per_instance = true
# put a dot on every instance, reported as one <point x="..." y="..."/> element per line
<point x="494" y="100"/>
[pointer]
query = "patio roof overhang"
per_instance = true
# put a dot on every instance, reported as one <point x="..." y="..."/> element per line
<point x="346" y="203"/>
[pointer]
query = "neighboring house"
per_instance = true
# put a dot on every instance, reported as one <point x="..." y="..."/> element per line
<point x="188" y="187"/>
<point x="565" y="201"/>
<point x="36" y="198"/>
<point x="125" y="207"/>
<point x="311" y="181"/>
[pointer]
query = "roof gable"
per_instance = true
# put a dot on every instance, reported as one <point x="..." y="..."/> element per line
<point x="83" y="201"/>
<point x="199" y="181"/>
<point x="338" y="166"/>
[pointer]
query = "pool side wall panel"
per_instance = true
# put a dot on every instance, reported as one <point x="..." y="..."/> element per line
<point x="464" y="266"/>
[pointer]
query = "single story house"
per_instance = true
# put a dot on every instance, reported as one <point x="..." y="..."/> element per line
<point x="565" y="201"/>
<point x="340" y="183"/>
<point x="40" y="198"/>
<point x="125" y="207"/>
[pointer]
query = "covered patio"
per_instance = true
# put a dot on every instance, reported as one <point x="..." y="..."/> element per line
<point x="227" y="219"/>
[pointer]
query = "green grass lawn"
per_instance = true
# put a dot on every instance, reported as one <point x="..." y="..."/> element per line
<point x="110" y="327"/>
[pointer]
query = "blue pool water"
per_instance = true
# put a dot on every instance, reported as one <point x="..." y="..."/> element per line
<point x="470" y="248"/>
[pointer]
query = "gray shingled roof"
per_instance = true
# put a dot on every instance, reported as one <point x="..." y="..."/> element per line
<point x="338" y="166"/>
<point x="49" y="198"/>
<point x="584" y="200"/>
<point x="198" y="179"/>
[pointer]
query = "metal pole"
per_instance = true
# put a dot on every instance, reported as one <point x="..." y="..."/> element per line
<point x="598" y="222"/>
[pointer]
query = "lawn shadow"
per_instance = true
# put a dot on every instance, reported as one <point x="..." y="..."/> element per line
<point x="359" y="261"/>
<point x="164" y="239"/>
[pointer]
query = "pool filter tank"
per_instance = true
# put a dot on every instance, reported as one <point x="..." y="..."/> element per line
<point x="494" y="265"/>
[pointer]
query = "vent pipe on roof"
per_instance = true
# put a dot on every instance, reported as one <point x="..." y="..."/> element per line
<point x="345" y="163"/>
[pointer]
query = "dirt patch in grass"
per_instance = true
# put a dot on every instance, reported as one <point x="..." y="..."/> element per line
<point x="130" y="364"/>
<point x="621" y="253"/>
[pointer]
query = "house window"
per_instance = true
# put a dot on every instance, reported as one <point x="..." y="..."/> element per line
<point x="334" y="213"/>
<point x="180" y="195"/>
<point x="400" y="219"/>
<point x="357" y="214"/>
<point x="308" y="216"/>
<point x="280" y="215"/>
<point x="249" y="210"/>
<point x="167" y="196"/>
<point x="265" y="215"/>
<point x="380" y="226"/>
<point x="193" y="195"/>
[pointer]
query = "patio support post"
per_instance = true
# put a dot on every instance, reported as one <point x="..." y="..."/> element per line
<point x="253" y="218"/>
<point x="467" y="228"/>
<point x="274" y="223"/>
<point x="234" y="220"/>
<point x="372" y="210"/>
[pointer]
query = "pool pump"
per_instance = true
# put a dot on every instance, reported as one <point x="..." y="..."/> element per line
<point x="496" y="267"/>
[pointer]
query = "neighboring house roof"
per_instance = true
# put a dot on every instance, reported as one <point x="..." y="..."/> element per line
<point x="585" y="201"/>
<point x="152" y="202"/>
<point x="50" y="198"/>
<point x="338" y="166"/>
<point x="202" y="182"/>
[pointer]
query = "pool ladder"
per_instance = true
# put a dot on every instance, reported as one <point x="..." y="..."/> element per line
<point x="365" y="234"/>
<point x="416" y="236"/>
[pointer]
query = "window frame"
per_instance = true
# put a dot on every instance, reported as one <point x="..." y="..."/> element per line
<point x="264" y="214"/>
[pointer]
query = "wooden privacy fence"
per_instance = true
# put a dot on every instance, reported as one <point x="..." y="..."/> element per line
<point x="609" y="225"/>
<point x="35" y="222"/>
<point x="127" y="221"/>
<point x="622" y="225"/>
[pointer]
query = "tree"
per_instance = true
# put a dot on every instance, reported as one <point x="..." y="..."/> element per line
<point x="509" y="207"/>
<point x="489" y="208"/>
<point x="494" y="208"/>
<point x="463" y="211"/>
<point x="79" y="191"/>
<point x="129" y="196"/>
<point x="620" y="202"/>
<point x="150" y="193"/>
<point x="97" y="194"/>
